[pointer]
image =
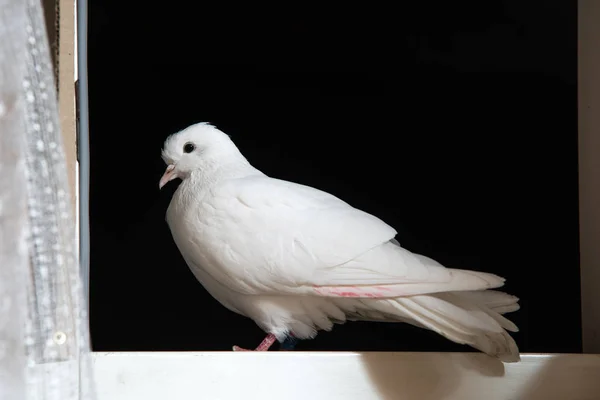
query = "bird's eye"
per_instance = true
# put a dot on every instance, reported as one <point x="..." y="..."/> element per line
<point x="189" y="147"/>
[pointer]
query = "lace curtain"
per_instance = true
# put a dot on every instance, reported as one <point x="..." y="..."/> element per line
<point x="44" y="346"/>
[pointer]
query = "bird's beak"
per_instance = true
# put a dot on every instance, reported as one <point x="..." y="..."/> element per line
<point x="169" y="175"/>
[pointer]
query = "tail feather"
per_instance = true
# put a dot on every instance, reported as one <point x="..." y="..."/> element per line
<point x="464" y="322"/>
<point x="498" y="301"/>
<point x="468" y="318"/>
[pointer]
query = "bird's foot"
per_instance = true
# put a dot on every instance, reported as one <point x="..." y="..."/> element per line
<point x="289" y="344"/>
<point x="263" y="346"/>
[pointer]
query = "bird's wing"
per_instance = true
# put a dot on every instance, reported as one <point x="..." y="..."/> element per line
<point x="264" y="236"/>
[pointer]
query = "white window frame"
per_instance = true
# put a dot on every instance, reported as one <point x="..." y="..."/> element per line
<point x="343" y="376"/>
<point x="370" y="376"/>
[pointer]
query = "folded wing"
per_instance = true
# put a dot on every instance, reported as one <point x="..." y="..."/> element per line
<point x="266" y="236"/>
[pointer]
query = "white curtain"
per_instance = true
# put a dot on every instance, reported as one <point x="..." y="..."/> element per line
<point x="44" y="345"/>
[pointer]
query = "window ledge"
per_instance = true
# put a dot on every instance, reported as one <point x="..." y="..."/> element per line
<point x="347" y="376"/>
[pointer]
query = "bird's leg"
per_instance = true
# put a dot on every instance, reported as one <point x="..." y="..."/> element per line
<point x="263" y="346"/>
<point x="289" y="344"/>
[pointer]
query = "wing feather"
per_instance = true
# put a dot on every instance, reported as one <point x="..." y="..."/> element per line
<point x="262" y="235"/>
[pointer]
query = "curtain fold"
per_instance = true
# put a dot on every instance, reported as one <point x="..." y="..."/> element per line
<point x="44" y="336"/>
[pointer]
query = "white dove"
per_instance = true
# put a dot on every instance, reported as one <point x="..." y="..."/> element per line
<point x="296" y="259"/>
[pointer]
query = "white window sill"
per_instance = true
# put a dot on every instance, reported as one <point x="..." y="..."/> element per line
<point x="347" y="376"/>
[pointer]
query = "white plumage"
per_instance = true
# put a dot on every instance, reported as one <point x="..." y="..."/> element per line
<point x="297" y="260"/>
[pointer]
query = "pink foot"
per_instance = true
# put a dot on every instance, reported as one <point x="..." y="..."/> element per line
<point x="263" y="346"/>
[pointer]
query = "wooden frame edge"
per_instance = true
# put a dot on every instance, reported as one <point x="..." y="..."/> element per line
<point x="66" y="88"/>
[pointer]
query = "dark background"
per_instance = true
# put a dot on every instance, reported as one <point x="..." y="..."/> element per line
<point x="455" y="122"/>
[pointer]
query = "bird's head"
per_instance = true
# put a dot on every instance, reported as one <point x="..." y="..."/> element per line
<point x="198" y="147"/>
